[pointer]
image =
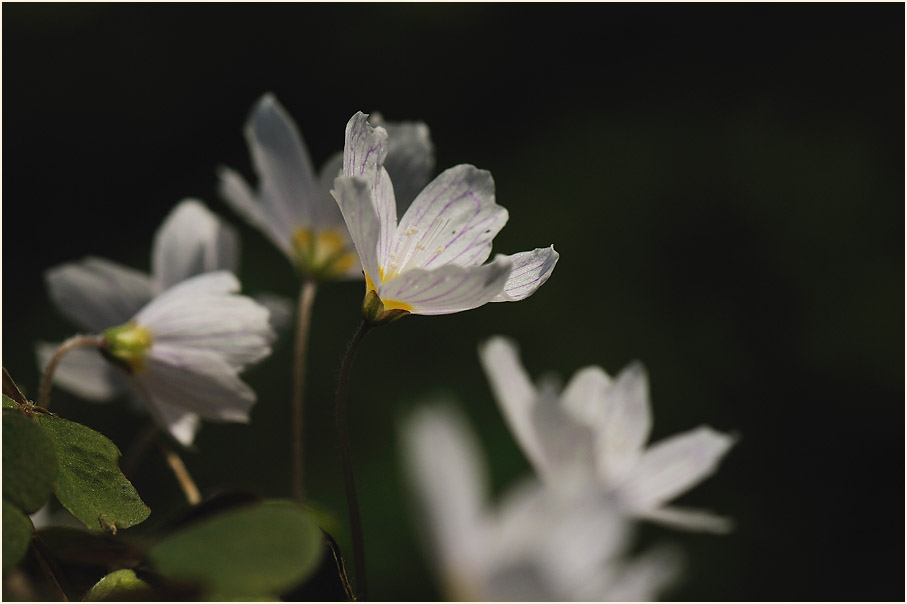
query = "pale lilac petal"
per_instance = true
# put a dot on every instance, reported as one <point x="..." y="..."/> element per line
<point x="333" y="218"/>
<point x="643" y="579"/>
<point x="584" y="396"/>
<point x="236" y="192"/>
<point x="567" y="446"/>
<point x="689" y="519"/>
<point x="172" y="301"/>
<point x="363" y="156"/>
<point x="514" y="392"/>
<point x="280" y="311"/>
<point x="191" y="241"/>
<point x="287" y="180"/>
<point x="452" y="221"/>
<point x="235" y="327"/>
<point x="410" y="158"/>
<point x="354" y="197"/>
<point x="673" y="466"/>
<point x="96" y="293"/>
<point x="446" y="470"/>
<point x="448" y="289"/>
<point x="530" y="271"/>
<point x="195" y="380"/>
<point x="626" y="426"/>
<point x="181" y="424"/>
<point x="84" y="372"/>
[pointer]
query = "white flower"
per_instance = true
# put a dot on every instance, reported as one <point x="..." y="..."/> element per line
<point x="595" y="432"/>
<point x="431" y="262"/>
<point x="538" y="544"/>
<point x="294" y="208"/>
<point x="97" y="294"/>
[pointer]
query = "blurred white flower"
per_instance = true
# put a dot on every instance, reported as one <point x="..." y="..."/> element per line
<point x="431" y="262"/>
<point x="96" y="294"/>
<point x="538" y="544"/>
<point x="595" y="432"/>
<point x="294" y="208"/>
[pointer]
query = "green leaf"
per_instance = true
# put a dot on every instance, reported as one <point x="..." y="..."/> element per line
<point x="9" y="403"/>
<point x="90" y="484"/>
<point x="17" y="530"/>
<point x="256" y="551"/>
<point x="118" y="585"/>
<point x="29" y="462"/>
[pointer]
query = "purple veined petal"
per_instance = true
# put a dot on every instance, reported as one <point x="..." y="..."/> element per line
<point x="689" y="519"/>
<point x="84" y="372"/>
<point x="626" y="425"/>
<point x="354" y="197"/>
<point x="448" y="289"/>
<point x="173" y="301"/>
<point x="235" y="327"/>
<point x="452" y="221"/>
<point x="191" y="241"/>
<point x="236" y="192"/>
<point x="198" y="381"/>
<point x="530" y="271"/>
<point x="449" y="480"/>
<point x="410" y="158"/>
<point x="181" y="424"/>
<point x="96" y="293"/>
<point x="514" y="392"/>
<point x="287" y="179"/>
<point x="674" y="465"/>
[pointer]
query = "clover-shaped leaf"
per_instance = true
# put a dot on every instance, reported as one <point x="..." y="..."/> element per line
<point x="29" y="462"/>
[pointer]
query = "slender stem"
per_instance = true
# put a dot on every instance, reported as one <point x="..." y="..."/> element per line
<point x="37" y="547"/>
<point x="349" y="483"/>
<point x="193" y="496"/>
<point x="51" y="368"/>
<point x="303" y="324"/>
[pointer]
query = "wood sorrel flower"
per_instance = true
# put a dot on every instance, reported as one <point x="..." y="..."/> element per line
<point x="294" y="208"/>
<point x="594" y="432"/>
<point x="97" y="294"/>
<point x="431" y="262"/>
<point x="538" y="544"/>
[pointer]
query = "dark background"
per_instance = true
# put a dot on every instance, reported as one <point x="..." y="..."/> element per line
<point x="724" y="184"/>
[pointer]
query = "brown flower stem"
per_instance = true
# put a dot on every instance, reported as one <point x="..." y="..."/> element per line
<point x="303" y="325"/>
<point x="70" y="344"/>
<point x="190" y="490"/>
<point x="343" y="386"/>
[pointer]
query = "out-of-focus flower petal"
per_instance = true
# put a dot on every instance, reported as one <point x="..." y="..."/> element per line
<point x="530" y="270"/>
<point x="95" y="293"/>
<point x="626" y="424"/>
<point x="280" y="311"/>
<point x="642" y="579"/>
<point x="192" y="240"/>
<point x="447" y="289"/>
<point x="410" y="158"/>
<point x="236" y="192"/>
<point x="84" y="372"/>
<point x="180" y="423"/>
<point x="689" y="519"/>
<point x="673" y="465"/>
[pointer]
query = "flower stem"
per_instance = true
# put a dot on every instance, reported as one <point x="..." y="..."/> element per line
<point x="352" y="502"/>
<point x="303" y="324"/>
<point x="51" y="368"/>
<point x="190" y="490"/>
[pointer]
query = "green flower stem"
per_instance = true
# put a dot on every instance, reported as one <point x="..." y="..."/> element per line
<point x="73" y="342"/>
<point x="303" y="324"/>
<point x="343" y="386"/>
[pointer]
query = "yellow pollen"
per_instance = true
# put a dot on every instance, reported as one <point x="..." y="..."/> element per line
<point x="324" y="254"/>
<point x="388" y="304"/>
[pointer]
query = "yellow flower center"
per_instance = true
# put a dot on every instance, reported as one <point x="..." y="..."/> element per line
<point x="322" y="254"/>
<point x="127" y="346"/>
<point x="388" y="304"/>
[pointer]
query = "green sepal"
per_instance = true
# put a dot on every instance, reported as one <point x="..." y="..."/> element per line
<point x="373" y="310"/>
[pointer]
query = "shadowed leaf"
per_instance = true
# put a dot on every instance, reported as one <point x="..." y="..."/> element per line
<point x="17" y="531"/>
<point x="29" y="462"/>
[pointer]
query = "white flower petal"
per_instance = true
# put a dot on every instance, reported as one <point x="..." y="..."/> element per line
<point x="235" y="327"/>
<point x="514" y="392"/>
<point x="626" y="425"/>
<point x="674" y="465"/>
<point x="355" y="200"/>
<point x="236" y="192"/>
<point x="567" y="446"/>
<point x="584" y="396"/>
<point x="689" y="519"/>
<point x="181" y="424"/>
<point x="448" y="289"/>
<point x="280" y="311"/>
<point x="84" y="372"/>
<point x="445" y="467"/>
<point x="191" y="241"/>
<point x="287" y="179"/>
<point x="96" y="293"/>
<point x="452" y="221"/>
<point x="644" y="578"/>
<point x="195" y="380"/>
<point x="530" y="271"/>
<point x="410" y="158"/>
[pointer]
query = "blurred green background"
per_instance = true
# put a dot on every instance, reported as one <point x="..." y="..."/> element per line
<point x="724" y="184"/>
